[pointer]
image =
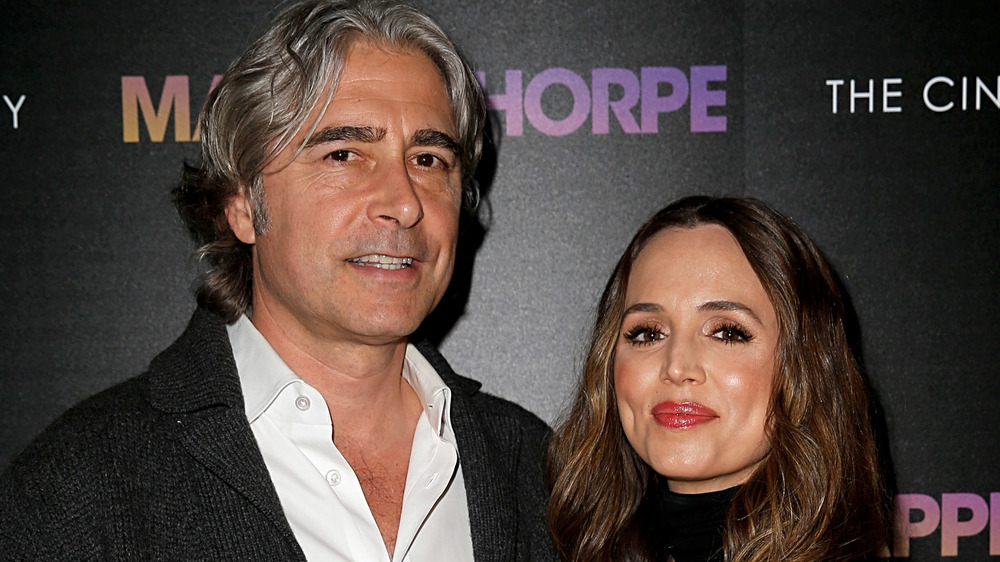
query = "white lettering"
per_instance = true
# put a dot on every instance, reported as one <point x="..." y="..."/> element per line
<point x="940" y="94"/>
<point x="14" y="108"/>
<point x="833" y="84"/>
<point x="887" y="93"/>
<point x="982" y="88"/>
<point x="927" y="92"/>
<point x="861" y="95"/>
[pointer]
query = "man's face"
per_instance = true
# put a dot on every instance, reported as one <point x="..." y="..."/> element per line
<point x="363" y="222"/>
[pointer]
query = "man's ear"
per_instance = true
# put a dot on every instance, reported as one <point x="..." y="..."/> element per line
<point x="239" y="213"/>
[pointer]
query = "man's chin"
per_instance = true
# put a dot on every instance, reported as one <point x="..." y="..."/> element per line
<point x="388" y="327"/>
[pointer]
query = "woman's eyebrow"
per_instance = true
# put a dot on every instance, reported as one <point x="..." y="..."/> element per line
<point x="712" y="306"/>
<point x="643" y="307"/>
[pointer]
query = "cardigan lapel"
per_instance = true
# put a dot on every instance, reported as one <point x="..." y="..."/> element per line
<point x="222" y="442"/>
<point x="195" y="379"/>
<point x="489" y="463"/>
<point x="488" y="446"/>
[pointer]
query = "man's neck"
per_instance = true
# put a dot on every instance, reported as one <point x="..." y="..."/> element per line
<point x="361" y="382"/>
<point x="373" y="409"/>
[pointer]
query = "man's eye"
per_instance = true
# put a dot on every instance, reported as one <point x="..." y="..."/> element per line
<point x="427" y="160"/>
<point x="340" y="155"/>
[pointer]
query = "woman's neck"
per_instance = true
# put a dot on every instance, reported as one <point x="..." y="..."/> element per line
<point x="687" y="527"/>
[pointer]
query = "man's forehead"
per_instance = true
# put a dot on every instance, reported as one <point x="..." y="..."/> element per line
<point x="378" y="83"/>
<point x="368" y="61"/>
<point x="353" y="107"/>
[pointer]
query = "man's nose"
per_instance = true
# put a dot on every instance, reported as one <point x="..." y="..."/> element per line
<point x="683" y="362"/>
<point x="396" y="199"/>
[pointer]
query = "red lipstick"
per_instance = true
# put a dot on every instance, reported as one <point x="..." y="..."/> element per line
<point x="682" y="415"/>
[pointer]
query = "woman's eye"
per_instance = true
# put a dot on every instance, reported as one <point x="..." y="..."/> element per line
<point x="732" y="334"/>
<point x="644" y="335"/>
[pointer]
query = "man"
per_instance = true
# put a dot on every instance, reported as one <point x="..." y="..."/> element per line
<point x="293" y="420"/>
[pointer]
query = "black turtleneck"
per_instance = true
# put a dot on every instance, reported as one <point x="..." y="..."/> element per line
<point x="687" y="526"/>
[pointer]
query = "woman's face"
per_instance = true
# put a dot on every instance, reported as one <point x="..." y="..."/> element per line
<point x="695" y="359"/>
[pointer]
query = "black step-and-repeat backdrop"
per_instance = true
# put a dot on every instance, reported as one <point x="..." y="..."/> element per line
<point x="873" y="124"/>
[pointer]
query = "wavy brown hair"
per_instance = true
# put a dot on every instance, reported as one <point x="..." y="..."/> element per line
<point x="819" y="494"/>
<point x="265" y="99"/>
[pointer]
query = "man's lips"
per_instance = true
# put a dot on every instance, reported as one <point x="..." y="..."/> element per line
<point x="681" y="415"/>
<point x="381" y="261"/>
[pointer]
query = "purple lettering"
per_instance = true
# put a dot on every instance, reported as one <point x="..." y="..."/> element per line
<point x="508" y="102"/>
<point x="533" y="101"/>
<point x="952" y="527"/>
<point x="652" y="103"/>
<point x="905" y="530"/>
<point x="702" y="98"/>
<point x="601" y="79"/>
<point x="995" y="524"/>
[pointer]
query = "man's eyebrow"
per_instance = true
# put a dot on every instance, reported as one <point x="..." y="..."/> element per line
<point x="433" y="137"/>
<point x="729" y="306"/>
<point x="643" y="307"/>
<point x="345" y="133"/>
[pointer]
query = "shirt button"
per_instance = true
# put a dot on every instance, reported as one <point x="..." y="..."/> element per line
<point x="333" y="477"/>
<point x="302" y="403"/>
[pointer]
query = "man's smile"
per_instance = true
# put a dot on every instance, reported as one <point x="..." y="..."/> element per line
<point x="381" y="261"/>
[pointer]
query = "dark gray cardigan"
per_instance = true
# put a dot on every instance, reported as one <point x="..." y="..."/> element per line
<point x="164" y="467"/>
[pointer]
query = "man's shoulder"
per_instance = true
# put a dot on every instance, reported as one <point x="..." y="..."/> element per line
<point x="82" y="433"/>
<point x="115" y="467"/>
<point x="67" y="472"/>
<point x="503" y="449"/>
<point x="486" y="404"/>
<point x="101" y="411"/>
<point x="120" y="416"/>
<point x="468" y="393"/>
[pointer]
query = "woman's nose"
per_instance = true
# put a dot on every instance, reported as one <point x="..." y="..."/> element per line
<point x="683" y="362"/>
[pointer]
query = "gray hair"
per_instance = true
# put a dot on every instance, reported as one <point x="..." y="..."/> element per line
<point x="265" y="100"/>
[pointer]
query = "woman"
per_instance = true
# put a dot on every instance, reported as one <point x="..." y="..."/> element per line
<point x="722" y="414"/>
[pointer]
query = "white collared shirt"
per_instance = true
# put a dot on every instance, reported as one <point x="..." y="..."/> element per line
<point x="319" y="491"/>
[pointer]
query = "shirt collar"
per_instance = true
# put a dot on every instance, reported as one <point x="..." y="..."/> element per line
<point x="434" y="394"/>
<point x="263" y="375"/>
